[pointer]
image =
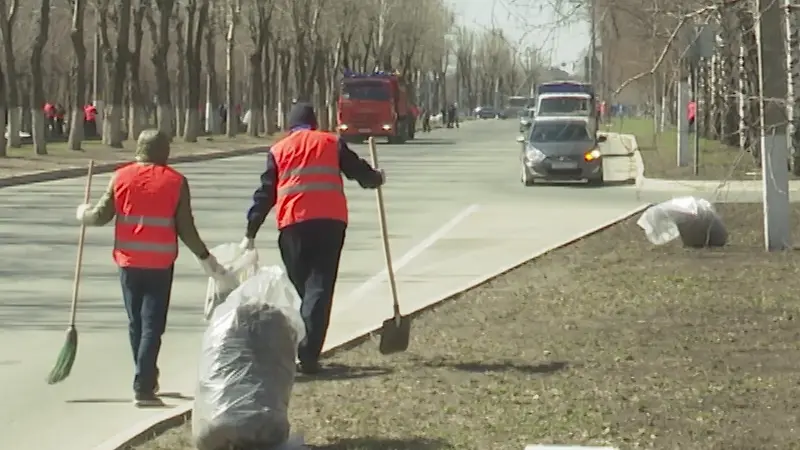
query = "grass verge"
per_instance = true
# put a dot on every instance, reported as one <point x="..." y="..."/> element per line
<point x="659" y="154"/>
<point x="607" y="341"/>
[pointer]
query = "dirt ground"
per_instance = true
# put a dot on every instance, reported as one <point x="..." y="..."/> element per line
<point x="610" y="340"/>
<point x="23" y="160"/>
<point x="717" y="161"/>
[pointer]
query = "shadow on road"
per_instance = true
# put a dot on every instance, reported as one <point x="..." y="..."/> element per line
<point x="375" y="443"/>
<point x="500" y="366"/>
<point x="343" y="372"/>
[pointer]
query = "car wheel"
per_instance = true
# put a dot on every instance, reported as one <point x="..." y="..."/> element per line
<point x="525" y="177"/>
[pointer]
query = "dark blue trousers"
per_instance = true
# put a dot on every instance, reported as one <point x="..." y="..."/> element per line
<point x="311" y="251"/>
<point x="146" y="293"/>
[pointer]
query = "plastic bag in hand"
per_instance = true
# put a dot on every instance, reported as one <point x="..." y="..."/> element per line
<point x="247" y="366"/>
<point x="242" y="264"/>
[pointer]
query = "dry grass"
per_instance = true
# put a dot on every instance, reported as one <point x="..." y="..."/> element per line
<point x="610" y="340"/>
<point x="659" y="153"/>
<point x="24" y="160"/>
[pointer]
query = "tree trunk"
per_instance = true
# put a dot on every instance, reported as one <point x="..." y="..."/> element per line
<point x="112" y="123"/>
<point x="256" y="93"/>
<point x="160" y="36"/>
<point x="37" y="111"/>
<point x="135" y="109"/>
<point x="213" y="121"/>
<point x="232" y="121"/>
<point x="12" y="86"/>
<point x="194" y="43"/>
<point x="79" y="69"/>
<point x="3" y="143"/>
<point x="180" y="92"/>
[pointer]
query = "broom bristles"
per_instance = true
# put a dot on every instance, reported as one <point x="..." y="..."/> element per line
<point x="66" y="357"/>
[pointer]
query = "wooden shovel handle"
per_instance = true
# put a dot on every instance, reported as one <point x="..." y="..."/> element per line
<point x="79" y="260"/>
<point x="373" y="153"/>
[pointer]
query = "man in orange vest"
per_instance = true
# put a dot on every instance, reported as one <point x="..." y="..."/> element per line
<point x="151" y="204"/>
<point x="303" y="180"/>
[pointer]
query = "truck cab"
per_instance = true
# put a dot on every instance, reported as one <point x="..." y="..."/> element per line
<point x="567" y="98"/>
<point x="375" y="104"/>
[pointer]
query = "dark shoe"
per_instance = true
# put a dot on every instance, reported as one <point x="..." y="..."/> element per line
<point x="309" y="368"/>
<point x="147" y="400"/>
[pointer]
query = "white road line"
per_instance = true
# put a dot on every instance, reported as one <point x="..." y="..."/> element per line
<point x="415" y="251"/>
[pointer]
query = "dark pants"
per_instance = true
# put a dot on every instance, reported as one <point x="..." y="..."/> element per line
<point x="310" y="251"/>
<point x="146" y="293"/>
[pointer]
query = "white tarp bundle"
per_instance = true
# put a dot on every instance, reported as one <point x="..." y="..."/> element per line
<point x="247" y="367"/>
<point x="692" y="219"/>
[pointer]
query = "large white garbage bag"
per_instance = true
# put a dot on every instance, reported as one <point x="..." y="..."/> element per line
<point x="242" y="264"/>
<point x="692" y="219"/>
<point x="247" y="366"/>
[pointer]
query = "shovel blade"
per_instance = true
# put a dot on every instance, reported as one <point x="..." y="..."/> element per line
<point x="395" y="335"/>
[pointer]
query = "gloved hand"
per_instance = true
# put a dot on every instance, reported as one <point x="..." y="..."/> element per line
<point x="80" y="213"/>
<point x="383" y="176"/>
<point x="247" y="244"/>
<point x="212" y="268"/>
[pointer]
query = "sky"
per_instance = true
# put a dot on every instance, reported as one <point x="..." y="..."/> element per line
<point x="530" y="23"/>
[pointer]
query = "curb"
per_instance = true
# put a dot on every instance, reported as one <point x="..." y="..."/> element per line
<point x="157" y="425"/>
<point x="75" y="172"/>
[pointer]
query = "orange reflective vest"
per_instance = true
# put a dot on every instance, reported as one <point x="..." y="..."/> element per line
<point x="146" y="197"/>
<point x="309" y="180"/>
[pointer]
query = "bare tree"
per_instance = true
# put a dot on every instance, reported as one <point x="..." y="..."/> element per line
<point x="79" y="68"/>
<point x="116" y="59"/>
<point x="37" y="111"/>
<point x="233" y="17"/>
<point x="135" y="97"/>
<point x="259" y="18"/>
<point x="8" y="17"/>
<point x="159" y="34"/>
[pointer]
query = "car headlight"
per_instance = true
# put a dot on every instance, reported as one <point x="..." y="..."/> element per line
<point x="534" y="155"/>
<point x="592" y="155"/>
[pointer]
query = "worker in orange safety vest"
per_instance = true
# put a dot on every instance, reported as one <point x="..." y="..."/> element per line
<point x="303" y="181"/>
<point x="151" y="203"/>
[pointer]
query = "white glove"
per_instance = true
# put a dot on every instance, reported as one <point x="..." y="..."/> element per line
<point x="81" y="212"/>
<point x="247" y="244"/>
<point x="212" y="268"/>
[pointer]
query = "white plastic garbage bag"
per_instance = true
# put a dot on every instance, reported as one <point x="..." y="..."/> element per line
<point x="247" y="367"/>
<point x="242" y="264"/>
<point x="692" y="219"/>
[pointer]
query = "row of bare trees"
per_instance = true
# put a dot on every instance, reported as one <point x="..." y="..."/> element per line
<point x="178" y="64"/>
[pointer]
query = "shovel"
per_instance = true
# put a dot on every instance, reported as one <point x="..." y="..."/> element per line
<point x="396" y="331"/>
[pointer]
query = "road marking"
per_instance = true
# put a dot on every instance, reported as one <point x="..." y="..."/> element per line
<point x="415" y="251"/>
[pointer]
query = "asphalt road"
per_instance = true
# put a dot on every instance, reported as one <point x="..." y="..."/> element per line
<point x="456" y="210"/>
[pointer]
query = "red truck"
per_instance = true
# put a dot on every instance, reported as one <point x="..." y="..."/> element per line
<point x="376" y="104"/>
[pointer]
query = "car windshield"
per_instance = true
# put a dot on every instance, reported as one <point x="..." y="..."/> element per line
<point x="559" y="132"/>
<point x="365" y="90"/>
<point x="563" y="105"/>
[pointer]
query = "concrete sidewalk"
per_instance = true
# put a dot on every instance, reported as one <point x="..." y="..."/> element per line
<point x="456" y="213"/>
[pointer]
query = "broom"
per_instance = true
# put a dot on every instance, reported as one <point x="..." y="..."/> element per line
<point x="66" y="357"/>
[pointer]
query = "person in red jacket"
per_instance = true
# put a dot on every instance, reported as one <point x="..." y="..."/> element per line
<point x="89" y="120"/>
<point x="691" y="113"/>
<point x="303" y="180"/>
<point x="151" y="204"/>
<point x="50" y="117"/>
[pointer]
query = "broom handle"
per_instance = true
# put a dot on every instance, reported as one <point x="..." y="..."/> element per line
<point x="373" y="153"/>
<point x="79" y="260"/>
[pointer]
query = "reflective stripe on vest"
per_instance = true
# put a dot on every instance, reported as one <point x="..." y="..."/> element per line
<point x="310" y="182"/>
<point x="314" y="186"/>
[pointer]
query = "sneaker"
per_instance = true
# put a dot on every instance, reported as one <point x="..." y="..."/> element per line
<point x="147" y="401"/>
